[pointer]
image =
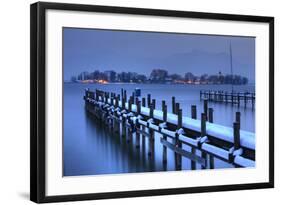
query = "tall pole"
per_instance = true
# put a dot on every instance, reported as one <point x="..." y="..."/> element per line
<point x="231" y="69"/>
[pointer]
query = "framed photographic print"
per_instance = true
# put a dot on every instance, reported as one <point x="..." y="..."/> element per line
<point x="129" y="102"/>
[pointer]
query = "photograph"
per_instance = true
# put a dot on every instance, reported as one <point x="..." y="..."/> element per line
<point x="143" y="101"/>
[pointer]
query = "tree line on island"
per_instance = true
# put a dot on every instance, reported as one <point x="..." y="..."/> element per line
<point x="158" y="76"/>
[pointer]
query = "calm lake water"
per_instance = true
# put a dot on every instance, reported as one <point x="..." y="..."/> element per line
<point x="89" y="149"/>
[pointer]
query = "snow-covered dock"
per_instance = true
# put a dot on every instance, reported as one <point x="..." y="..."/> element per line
<point x="233" y="98"/>
<point x="229" y="144"/>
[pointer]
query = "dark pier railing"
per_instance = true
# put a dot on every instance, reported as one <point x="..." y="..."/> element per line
<point x="138" y="120"/>
<point x="233" y="98"/>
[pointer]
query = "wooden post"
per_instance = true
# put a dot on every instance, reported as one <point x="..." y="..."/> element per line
<point x="178" y="158"/>
<point x="200" y="95"/>
<point x="163" y="106"/>
<point x="173" y="105"/>
<point x="236" y="134"/>
<point x="117" y="124"/>
<point x="211" y="111"/>
<point x="143" y="102"/>
<point x="226" y="97"/>
<point x="177" y="108"/>
<point x="164" y="110"/>
<point x="118" y="97"/>
<point x="130" y="104"/>
<point x="133" y="96"/>
<point x="179" y="118"/>
<point x="206" y="108"/>
<point x="148" y="100"/>
<point x="138" y="125"/>
<point x="203" y="124"/>
<point x="203" y="133"/>
<point x="143" y="127"/>
<point x="193" y="112"/>
<point x="153" y="103"/>
<point x="129" y="131"/>
<point x="123" y="118"/>
<point x="125" y="97"/>
<point x="151" y="135"/>
<point x="193" y="150"/>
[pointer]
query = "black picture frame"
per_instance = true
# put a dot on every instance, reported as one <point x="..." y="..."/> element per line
<point x="38" y="100"/>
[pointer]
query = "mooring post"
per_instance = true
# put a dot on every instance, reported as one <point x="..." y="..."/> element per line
<point x="125" y="96"/>
<point x="133" y="96"/>
<point x="122" y="93"/>
<point x="122" y="117"/>
<point x="200" y="95"/>
<point x="130" y="104"/>
<point x="119" y="98"/>
<point x="178" y="144"/>
<point x="138" y="125"/>
<point x="143" y="102"/>
<point x="151" y="134"/>
<point x="173" y="105"/>
<point x="123" y="103"/>
<point x="193" y="150"/>
<point x="177" y="108"/>
<point x="236" y="134"/>
<point x="153" y="103"/>
<point x="117" y="124"/>
<point x="129" y="129"/>
<point x="164" y="110"/>
<point x="206" y="108"/>
<point x="143" y="127"/>
<point x="148" y="100"/>
<point x="226" y="97"/>
<point x="211" y="111"/>
<point x="193" y="112"/>
<point x="203" y="133"/>
<point x="211" y="157"/>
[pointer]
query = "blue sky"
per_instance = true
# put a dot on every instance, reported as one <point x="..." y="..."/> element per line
<point x="92" y="49"/>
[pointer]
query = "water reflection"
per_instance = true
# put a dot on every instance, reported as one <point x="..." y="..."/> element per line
<point x="89" y="148"/>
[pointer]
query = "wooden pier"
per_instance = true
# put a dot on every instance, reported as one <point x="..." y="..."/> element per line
<point x="137" y="120"/>
<point x="233" y="98"/>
